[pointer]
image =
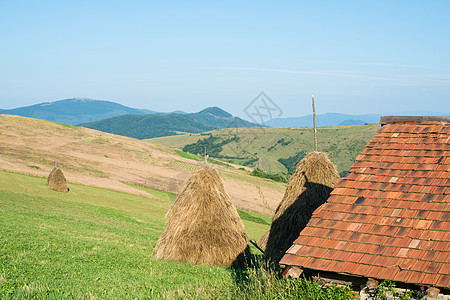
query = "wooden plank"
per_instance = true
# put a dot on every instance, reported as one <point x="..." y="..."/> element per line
<point x="414" y="119"/>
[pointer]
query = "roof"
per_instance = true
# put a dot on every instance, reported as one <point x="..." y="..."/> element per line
<point x="389" y="218"/>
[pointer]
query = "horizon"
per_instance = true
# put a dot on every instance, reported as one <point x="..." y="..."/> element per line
<point x="356" y="58"/>
<point x="247" y="118"/>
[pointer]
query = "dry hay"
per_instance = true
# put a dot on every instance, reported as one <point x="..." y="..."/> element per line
<point x="204" y="226"/>
<point x="56" y="180"/>
<point x="307" y="189"/>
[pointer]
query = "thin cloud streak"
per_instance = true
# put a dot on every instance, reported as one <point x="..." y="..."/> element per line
<point x="335" y="74"/>
<point x="374" y="64"/>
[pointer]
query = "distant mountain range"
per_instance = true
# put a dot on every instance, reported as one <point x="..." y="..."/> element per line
<point x="116" y="118"/>
<point x="158" y="125"/>
<point x="328" y="119"/>
<point x="75" y="110"/>
<point x="337" y="119"/>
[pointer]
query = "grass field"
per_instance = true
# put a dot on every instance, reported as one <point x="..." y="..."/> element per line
<point x="342" y="143"/>
<point x="94" y="243"/>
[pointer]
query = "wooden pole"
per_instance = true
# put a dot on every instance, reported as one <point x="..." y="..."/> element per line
<point x="315" y="128"/>
<point x="206" y="159"/>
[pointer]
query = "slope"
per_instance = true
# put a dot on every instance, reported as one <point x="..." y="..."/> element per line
<point x="105" y="160"/>
<point x="94" y="243"/>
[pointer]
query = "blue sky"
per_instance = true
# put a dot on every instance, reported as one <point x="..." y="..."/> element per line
<point x="355" y="56"/>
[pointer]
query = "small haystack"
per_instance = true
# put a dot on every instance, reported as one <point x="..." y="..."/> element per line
<point x="56" y="180"/>
<point x="308" y="188"/>
<point x="204" y="226"/>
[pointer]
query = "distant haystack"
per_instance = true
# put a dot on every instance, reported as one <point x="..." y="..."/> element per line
<point x="56" y="180"/>
<point x="308" y="188"/>
<point x="204" y="226"/>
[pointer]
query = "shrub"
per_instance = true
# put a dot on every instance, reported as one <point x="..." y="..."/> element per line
<point x="388" y="290"/>
<point x="280" y="177"/>
<point x="291" y="162"/>
<point x="262" y="281"/>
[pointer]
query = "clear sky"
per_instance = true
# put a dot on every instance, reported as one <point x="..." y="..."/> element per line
<point x="354" y="56"/>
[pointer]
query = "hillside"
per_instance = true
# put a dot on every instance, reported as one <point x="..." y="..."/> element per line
<point x="158" y="125"/>
<point x="95" y="158"/>
<point x="94" y="243"/>
<point x="74" y="111"/>
<point x="277" y="149"/>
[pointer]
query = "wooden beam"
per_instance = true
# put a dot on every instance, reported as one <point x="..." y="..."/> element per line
<point x="384" y="120"/>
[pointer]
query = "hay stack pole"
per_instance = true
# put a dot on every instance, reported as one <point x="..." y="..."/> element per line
<point x="204" y="226"/>
<point x="307" y="189"/>
<point x="315" y="128"/>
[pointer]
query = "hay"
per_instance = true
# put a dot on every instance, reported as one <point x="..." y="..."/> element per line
<point x="56" y="181"/>
<point x="308" y="188"/>
<point x="204" y="226"/>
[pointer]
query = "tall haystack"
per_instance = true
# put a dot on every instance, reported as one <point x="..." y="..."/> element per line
<point x="204" y="226"/>
<point x="308" y="188"/>
<point x="56" y="180"/>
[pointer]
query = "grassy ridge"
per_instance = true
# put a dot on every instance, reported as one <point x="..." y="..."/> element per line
<point x="94" y="243"/>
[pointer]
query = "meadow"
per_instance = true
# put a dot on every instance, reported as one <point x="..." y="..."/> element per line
<point x="94" y="243"/>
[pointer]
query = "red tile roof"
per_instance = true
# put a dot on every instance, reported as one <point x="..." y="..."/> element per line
<point x="390" y="217"/>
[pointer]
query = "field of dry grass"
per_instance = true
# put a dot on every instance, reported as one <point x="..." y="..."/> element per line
<point x="94" y="158"/>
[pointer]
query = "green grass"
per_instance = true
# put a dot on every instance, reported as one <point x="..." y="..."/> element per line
<point x="66" y="125"/>
<point x="189" y="155"/>
<point x="93" y="243"/>
<point x="199" y="158"/>
<point x="254" y="217"/>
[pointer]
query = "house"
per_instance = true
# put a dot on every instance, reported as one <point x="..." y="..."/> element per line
<point x="389" y="219"/>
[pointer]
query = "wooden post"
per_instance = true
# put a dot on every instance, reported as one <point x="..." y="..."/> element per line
<point x="315" y="129"/>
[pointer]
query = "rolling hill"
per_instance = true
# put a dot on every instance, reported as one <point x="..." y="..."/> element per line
<point x="276" y="149"/>
<point x="158" y="125"/>
<point x="104" y="160"/>
<point x="74" y="110"/>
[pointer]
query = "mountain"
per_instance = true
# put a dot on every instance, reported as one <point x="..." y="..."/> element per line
<point x="158" y="125"/>
<point x="216" y="111"/>
<point x="351" y="122"/>
<point x="75" y="110"/>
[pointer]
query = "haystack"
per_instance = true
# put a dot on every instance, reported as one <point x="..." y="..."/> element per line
<point x="308" y="188"/>
<point x="204" y="226"/>
<point x="56" y="180"/>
